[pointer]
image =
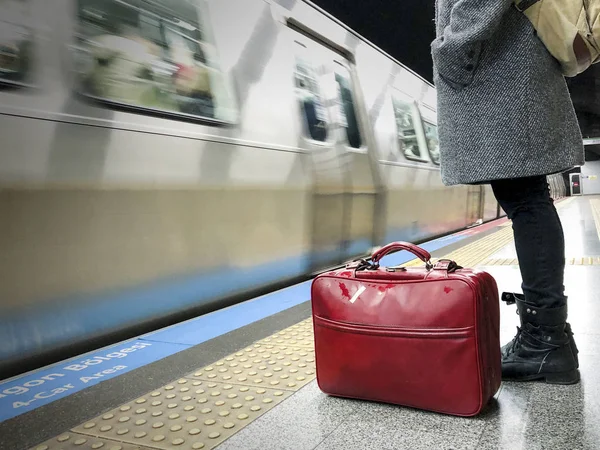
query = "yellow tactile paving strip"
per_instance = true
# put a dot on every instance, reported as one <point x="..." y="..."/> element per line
<point x="74" y="441"/>
<point x="296" y="336"/>
<point x="203" y="409"/>
<point x="478" y="252"/>
<point x="579" y="261"/>
<point x="501" y="262"/>
<point x="200" y="418"/>
<point x="572" y="261"/>
<point x="264" y="365"/>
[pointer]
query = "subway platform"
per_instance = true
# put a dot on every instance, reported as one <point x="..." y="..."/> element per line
<point x="244" y="377"/>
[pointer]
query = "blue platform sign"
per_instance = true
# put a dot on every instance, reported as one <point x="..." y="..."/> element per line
<point x="29" y="392"/>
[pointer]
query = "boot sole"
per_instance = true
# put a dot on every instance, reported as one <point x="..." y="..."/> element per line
<point x="564" y="378"/>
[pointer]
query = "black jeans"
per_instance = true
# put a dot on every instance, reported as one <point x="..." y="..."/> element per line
<point x="539" y="238"/>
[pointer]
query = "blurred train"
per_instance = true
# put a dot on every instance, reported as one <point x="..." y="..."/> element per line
<point x="162" y="158"/>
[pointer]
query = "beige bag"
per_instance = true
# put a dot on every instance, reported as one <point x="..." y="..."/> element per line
<point x="570" y="30"/>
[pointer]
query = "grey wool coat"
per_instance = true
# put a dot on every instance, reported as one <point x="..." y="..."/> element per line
<point x="504" y="110"/>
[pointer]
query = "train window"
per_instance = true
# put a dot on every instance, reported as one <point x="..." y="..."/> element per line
<point x="345" y="106"/>
<point x="311" y="101"/>
<point x="153" y="55"/>
<point x="433" y="143"/>
<point x="16" y="42"/>
<point x="406" y="128"/>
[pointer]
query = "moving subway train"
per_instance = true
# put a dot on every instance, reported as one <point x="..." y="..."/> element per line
<point x="165" y="157"/>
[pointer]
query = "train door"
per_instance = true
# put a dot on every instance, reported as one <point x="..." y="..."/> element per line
<point x="490" y="204"/>
<point x="475" y="205"/>
<point x="343" y="198"/>
<point x="362" y="175"/>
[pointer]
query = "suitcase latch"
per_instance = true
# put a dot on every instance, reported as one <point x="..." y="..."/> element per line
<point x="362" y="264"/>
<point x="447" y="265"/>
<point x="395" y="269"/>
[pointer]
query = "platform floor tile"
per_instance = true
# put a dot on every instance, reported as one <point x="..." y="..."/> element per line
<point x="578" y="261"/>
<point x="188" y="414"/>
<point x="75" y="441"/>
<point x="475" y="253"/>
<point x="264" y="365"/>
<point x="301" y="335"/>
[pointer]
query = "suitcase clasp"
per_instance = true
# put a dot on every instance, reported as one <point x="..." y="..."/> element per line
<point x="362" y="264"/>
<point x="447" y="265"/>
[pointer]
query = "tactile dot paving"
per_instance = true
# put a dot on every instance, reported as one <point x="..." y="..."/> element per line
<point x="477" y="252"/>
<point x="75" y="441"/>
<point x="578" y="261"/>
<point x="299" y="335"/>
<point x="219" y="410"/>
<point x="265" y="365"/>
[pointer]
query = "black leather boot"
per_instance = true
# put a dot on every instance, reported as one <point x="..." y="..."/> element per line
<point x="541" y="349"/>
<point x="510" y="298"/>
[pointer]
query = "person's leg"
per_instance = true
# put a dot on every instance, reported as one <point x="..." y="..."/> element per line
<point x="539" y="239"/>
<point x="543" y="348"/>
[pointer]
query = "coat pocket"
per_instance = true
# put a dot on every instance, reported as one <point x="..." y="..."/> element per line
<point x="456" y="62"/>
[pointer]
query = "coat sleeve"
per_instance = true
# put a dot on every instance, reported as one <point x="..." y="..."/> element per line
<point x="456" y="52"/>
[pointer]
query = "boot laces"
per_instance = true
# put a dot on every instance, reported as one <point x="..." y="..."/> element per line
<point x="516" y="342"/>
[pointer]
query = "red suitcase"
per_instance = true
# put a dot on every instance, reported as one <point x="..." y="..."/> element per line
<point x="425" y="337"/>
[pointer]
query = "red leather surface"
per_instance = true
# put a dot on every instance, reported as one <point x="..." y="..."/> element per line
<point x="422" y="338"/>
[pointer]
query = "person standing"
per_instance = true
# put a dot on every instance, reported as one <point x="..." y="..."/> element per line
<point x="505" y="118"/>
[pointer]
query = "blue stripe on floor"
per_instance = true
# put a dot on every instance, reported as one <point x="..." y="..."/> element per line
<point x="210" y="326"/>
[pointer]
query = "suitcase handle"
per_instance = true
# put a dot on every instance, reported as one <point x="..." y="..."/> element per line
<point x="419" y="252"/>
